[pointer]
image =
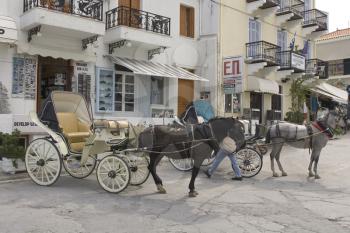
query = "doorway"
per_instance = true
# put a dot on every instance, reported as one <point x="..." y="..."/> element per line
<point x="256" y="104"/>
<point x="53" y="74"/>
<point x="129" y="13"/>
<point x="185" y="94"/>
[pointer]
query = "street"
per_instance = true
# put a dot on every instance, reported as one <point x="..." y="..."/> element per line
<point x="261" y="204"/>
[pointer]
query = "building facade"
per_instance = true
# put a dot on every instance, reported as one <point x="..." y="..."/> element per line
<point x="135" y="59"/>
<point x="262" y="45"/>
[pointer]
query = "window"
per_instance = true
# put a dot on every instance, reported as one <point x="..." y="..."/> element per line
<point x="282" y="39"/>
<point x="308" y="51"/>
<point x="157" y="90"/>
<point x="124" y="93"/>
<point x="276" y="100"/>
<point x="232" y="103"/>
<point x="186" y="21"/>
<point x="254" y="30"/>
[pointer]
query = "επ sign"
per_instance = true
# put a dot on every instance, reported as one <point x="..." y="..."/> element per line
<point x="2" y="31"/>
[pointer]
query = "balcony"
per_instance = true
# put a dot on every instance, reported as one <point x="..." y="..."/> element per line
<point x="77" y="18"/>
<point x="315" y="19"/>
<point x="291" y="10"/>
<point x="317" y="67"/>
<point x="140" y="26"/>
<point x="339" y="68"/>
<point x="254" y="5"/>
<point x="289" y="60"/>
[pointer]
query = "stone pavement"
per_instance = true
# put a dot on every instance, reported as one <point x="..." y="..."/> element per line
<point x="261" y="204"/>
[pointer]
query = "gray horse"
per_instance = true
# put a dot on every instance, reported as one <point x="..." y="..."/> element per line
<point x="315" y="136"/>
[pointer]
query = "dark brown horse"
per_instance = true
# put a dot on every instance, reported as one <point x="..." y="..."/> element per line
<point x="196" y="141"/>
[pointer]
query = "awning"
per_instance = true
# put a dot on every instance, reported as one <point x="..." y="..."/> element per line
<point x="332" y="92"/>
<point x="155" y="69"/>
<point x="262" y="85"/>
<point x="8" y="30"/>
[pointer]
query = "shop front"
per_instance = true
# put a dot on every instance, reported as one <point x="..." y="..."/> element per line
<point x="143" y="91"/>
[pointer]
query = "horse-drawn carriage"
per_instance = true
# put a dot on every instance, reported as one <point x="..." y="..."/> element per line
<point x="77" y="142"/>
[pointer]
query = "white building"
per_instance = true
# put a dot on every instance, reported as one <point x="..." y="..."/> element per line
<point x="102" y="49"/>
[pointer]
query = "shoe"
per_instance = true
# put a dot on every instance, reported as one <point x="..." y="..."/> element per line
<point x="237" y="178"/>
<point x="207" y="173"/>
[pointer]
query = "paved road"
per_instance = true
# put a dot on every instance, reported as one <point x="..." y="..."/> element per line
<point x="261" y="204"/>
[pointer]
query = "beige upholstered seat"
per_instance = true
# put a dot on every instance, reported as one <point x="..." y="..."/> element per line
<point x="75" y="131"/>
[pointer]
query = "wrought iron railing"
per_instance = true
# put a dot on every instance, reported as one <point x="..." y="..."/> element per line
<point x="286" y="61"/>
<point x="339" y="67"/>
<point x="85" y="8"/>
<point x="317" y="67"/>
<point x="316" y="17"/>
<point x="267" y="4"/>
<point x="137" y="19"/>
<point x="262" y="51"/>
<point x="292" y="6"/>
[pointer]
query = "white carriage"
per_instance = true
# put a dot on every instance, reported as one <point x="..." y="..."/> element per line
<point x="78" y="143"/>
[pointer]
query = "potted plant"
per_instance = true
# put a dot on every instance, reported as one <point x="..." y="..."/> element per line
<point x="11" y="152"/>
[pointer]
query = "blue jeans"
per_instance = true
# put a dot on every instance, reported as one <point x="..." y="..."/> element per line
<point x="218" y="159"/>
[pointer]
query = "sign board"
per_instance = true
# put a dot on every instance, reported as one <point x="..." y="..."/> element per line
<point x="81" y="67"/>
<point x="298" y="61"/>
<point x="232" y="74"/>
<point x="2" y="31"/>
<point x="24" y="124"/>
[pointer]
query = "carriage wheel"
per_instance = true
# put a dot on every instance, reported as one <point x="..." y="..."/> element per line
<point x="113" y="174"/>
<point x="43" y="162"/>
<point x="72" y="165"/>
<point x="182" y="164"/>
<point x="138" y="168"/>
<point x="209" y="160"/>
<point x="249" y="161"/>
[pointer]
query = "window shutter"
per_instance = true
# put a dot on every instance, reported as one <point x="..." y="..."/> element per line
<point x="191" y="22"/>
<point x="183" y="24"/>
<point x="124" y="3"/>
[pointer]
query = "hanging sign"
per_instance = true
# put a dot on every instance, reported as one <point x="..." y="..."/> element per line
<point x="232" y="74"/>
<point x="298" y="61"/>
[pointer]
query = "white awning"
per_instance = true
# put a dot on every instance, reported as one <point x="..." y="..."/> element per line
<point x="155" y="69"/>
<point x="332" y="92"/>
<point x="8" y="30"/>
<point x="262" y="85"/>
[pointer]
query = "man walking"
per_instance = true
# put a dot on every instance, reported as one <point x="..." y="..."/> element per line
<point x="227" y="148"/>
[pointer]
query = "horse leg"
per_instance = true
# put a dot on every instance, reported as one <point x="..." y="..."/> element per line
<point x="152" y="167"/>
<point x="279" y="163"/>
<point x="193" y="192"/>
<point x="276" y="147"/>
<point x="311" y="174"/>
<point x="316" y="158"/>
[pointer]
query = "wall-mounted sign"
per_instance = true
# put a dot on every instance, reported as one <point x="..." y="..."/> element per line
<point x="81" y="67"/>
<point x="232" y="74"/>
<point x="2" y="31"/>
<point x="24" y="124"/>
<point x="24" y="77"/>
<point x="298" y="61"/>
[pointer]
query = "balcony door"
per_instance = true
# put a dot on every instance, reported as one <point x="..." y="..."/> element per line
<point x="282" y="42"/>
<point x="129" y="13"/>
<point x="254" y="36"/>
<point x="185" y="94"/>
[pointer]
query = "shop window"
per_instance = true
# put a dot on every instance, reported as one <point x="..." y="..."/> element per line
<point x="232" y="103"/>
<point x="157" y="90"/>
<point x="276" y="100"/>
<point x="187" y="21"/>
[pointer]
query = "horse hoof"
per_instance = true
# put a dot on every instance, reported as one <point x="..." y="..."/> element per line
<point x="275" y="175"/>
<point x="192" y="194"/>
<point x="311" y="174"/>
<point x="284" y="174"/>
<point x="317" y="177"/>
<point x="161" y="189"/>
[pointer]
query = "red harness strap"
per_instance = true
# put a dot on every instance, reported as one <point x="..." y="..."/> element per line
<point x="319" y="127"/>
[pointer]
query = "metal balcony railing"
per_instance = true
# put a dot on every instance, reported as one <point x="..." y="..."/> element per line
<point x="267" y="4"/>
<point x="289" y="60"/>
<point x="317" y="67"/>
<point x="262" y="51"/>
<point x="292" y="6"/>
<point x="339" y="67"/>
<point x="86" y="8"/>
<point x="316" y="17"/>
<point x="137" y="19"/>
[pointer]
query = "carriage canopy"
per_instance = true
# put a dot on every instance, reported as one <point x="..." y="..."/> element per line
<point x="64" y="102"/>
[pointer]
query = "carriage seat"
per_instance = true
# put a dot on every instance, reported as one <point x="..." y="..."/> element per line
<point x="110" y="124"/>
<point x="75" y="131"/>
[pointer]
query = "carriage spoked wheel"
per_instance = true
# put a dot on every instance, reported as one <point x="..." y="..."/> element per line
<point x="182" y="164"/>
<point x="138" y="165"/>
<point x="249" y="161"/>
<point x="43" y="162"/>
<point x="113" y="174"/>
<point x="72" y="165"/>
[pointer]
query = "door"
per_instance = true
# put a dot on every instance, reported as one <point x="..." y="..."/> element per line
<point x="282" y="42"/>
<point x="129" y="13"/>
<point x="254" y="36"/>
<point x="185" y="94"/>
<point x="256" y="105"/>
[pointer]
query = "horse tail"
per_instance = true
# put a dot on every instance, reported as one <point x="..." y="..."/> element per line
<point x="268" y="135"/>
